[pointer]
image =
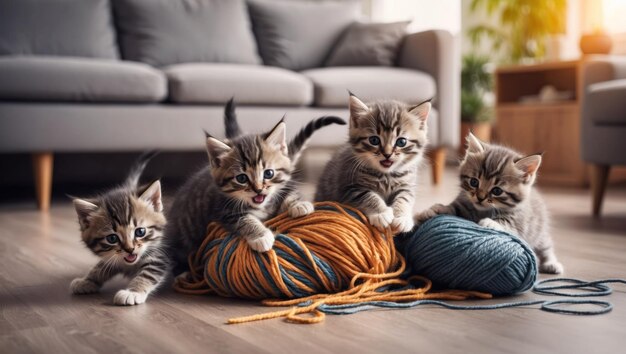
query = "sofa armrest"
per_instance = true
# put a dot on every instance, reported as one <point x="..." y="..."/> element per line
<point x="605" y="102"/>
<point x="603" y="68"/>
<point x="435" y="53"/>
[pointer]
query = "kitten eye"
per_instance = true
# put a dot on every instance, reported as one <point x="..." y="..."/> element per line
<point x="242" y="178"/>
<point x="267" y="174"/>
<point x="374" y="140"/>
<point x="140" y="232"/>
<point x="473" y="182"/>
<point x="496" y="191"/>
<point x="112" y="239"/>
<point x="401" y="142"/>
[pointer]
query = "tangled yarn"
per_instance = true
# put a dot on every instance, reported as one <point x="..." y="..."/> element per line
<point x="330" y="257"/>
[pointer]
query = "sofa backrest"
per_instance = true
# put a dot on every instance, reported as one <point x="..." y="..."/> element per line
<point x="300" y="35"/>
<point x="295" y="34"/>
<point x="81" y="28"/>
<point x="164" y="32"/>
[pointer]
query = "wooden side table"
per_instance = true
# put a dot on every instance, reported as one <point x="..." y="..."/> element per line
<point x="552" y="128"/>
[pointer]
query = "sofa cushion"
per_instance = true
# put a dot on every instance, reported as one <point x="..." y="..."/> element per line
<point x="368" y="44"/>
<point x="250" y="84"/>
<point x="606" y="102"/>
<point x="299" y="35"/>
<point x="369" y="83"/>
<point x="165" y="32"/>
<point x="77" y="79"/>
<point x="82" y="28"/>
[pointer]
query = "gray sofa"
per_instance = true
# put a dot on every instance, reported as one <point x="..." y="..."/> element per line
<point x="74" y="79"/>
<point x="603" y="128"/>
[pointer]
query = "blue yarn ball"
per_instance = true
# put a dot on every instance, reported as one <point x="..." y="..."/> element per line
<point x="459" y="254"/>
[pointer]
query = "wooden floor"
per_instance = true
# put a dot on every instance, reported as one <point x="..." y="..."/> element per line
<point x="41" y="254"/>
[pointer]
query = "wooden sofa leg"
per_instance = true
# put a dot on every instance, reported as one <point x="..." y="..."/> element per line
<point x="599" y="177"/>
<point x="438" y="162"/>
<point x="42" y="169"/>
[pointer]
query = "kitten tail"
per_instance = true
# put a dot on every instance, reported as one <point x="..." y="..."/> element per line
<point x="230" y="120"/>
<point x="132" y="181"/>
<point x="297" y="143"/>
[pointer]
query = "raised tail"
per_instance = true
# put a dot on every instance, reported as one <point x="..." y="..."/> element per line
<point x="297" y="143"/>
<point x="132" y="181"/>
<point x="230" y="120"/>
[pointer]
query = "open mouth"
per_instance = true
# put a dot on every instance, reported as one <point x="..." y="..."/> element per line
<point x="258" y="199"/>
<point x="130" y="258"/>
<point x="386" y="163"/>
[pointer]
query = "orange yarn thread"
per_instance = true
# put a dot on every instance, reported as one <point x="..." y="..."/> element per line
<point x="363" y="260"/>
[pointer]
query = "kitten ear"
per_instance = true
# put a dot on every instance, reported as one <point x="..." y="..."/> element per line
<point x="216" y="150"/>
<point x="421" y="111"/>
<point x="357" y="109"/>
<point x="278" y="137"/>
<point x="152" y="195"/>
<point x="529" y="166"/>
<point x="84" y="209"/>
<point x="474" y="146"/>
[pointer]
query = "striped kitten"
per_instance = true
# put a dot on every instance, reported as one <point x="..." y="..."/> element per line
<point x="248" y="180"/>
<point x="124" y="228"/>
<point x="497" y="192"/>
<point x="377" y="171"/>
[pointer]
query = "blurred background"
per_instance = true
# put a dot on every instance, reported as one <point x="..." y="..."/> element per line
<point x="86" y="86"/>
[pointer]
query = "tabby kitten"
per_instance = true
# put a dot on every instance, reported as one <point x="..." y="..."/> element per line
<point x="124" y="227"/>
<point x="497" y="192"/>
<point x="376" y="171"/>
<point x="248" y="180"/>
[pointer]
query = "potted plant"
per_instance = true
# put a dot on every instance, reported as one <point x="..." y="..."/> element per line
<point x="476" y="83"/>
<point x="523" y="26"/>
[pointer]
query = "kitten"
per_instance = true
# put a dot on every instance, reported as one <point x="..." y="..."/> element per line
<point x="124" y="227"/>
<point x="376" y="171"/>
<point x="248" y="180"/>
<point x="497" y="192"/>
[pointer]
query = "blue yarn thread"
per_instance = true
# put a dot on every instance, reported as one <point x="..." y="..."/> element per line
<point x="226" y="249"/>
<point x="460" y="254"/>
<point x="545" y="305"/>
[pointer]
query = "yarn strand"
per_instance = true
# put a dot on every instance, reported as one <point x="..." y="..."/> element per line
<point x="539" y="288"/>
<point x="334" y="262"/>
<point x="331" y="257"/>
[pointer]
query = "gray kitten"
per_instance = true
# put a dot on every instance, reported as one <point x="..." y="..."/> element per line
<point x="124" y="227"/>
<point x="248" y="180"/>
<point x="497" y="192"/>
<point x="376" y="172"/>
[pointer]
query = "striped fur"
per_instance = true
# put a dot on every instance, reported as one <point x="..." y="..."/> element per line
<point x="133" y="216"/>
<point x="357" y="174"/>
<point x="215" y="194"/>
<point x="230" y="120"/>
<point x="298" y="143"/>
<point x="502" y="197"/>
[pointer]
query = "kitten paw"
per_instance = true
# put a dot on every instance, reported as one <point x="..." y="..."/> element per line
<point x="381" y="220"/>
<point x="300" y="208"/>
<point x="553" y="267"/>
<point x="263" y="243"/>
<point x="403" y="223"/>
<point x="80" y="286"/>
<point x="127" y="297"/>
<point x="491" y="224"/>
<point x="425" y="215"/>
<point x="430" y="213"/>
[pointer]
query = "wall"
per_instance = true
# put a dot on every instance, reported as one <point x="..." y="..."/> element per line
<point x="425" y="14"/>
<point x="582" y="16"/>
